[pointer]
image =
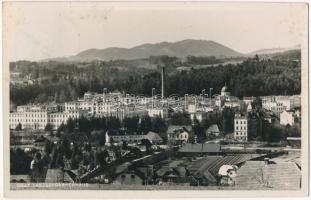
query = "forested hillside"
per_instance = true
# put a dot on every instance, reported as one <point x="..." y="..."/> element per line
<point x="62" y="81"/>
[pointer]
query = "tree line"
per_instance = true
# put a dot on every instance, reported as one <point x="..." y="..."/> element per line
<point x="68" y="81"/>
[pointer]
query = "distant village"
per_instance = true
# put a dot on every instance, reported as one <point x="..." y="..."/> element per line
<point x="118" y="139"/>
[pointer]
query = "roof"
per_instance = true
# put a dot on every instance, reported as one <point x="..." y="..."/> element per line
<point x="213" y="163"/>
<point x="163" y="170"/>
<point x="289" y="157"/>
<point x="200" y="148"/>
<point x="152" y="136"/>
<point x="174" y="128"/>
<point x="212" y="128"/>
<point x="181" y="171"/>
<point x="54" y="176"/>
<point x="278" y="176"/>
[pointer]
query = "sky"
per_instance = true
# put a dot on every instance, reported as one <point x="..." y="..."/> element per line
<point x="39" y="30"/>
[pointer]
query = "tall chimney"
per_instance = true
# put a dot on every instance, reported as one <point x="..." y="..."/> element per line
<point x="163" y="82"/>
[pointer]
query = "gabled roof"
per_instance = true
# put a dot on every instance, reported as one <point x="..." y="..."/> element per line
<point x="152" y="136"/>
<point x="200" y="148"/>
<point x="213" y="129"/>
<point x="174" y="128"/>
<point x="278" y="176"/>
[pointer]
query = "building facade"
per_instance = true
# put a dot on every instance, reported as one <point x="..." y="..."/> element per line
<point x="240" y="127"/>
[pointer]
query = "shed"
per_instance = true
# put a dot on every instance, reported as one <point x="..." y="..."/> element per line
<point x="213" y="129"/>
<point x="154" y="137"/>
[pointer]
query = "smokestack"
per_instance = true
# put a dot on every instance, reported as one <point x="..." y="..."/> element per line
<point x="163" y="82"/>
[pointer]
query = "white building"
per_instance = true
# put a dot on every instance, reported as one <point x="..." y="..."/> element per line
<point x="275" y="107"/>
<point x="240" y="127"/>
<point x="32" y="117"/>
<point x="178" y="134"/>
<point x="233" y="104"/>
<point x="287" y="117"/>
<point x="158" y="112"/>
<point x="200" y="116"/>
<point x="248" y="100"/>
<point x="38" y="117"/>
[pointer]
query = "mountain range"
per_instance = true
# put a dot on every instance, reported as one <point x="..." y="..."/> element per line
<point x="179" y="49"/>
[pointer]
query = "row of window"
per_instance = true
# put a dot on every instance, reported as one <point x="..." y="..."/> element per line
<point x="241" y="133"/>
<point x="125" y="137"/>
<point x="241" y="138"/>
<point x="27" y="120"/>
<point x="178" y="137"/>
<point x="242" y="128"/>
<point x="241" y="122"/>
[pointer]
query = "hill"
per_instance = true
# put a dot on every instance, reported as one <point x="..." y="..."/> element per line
<point x="274" y="50"/>
<point x="180" y="49"/>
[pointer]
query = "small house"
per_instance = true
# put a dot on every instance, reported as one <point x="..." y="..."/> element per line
<point x="213" y="130"/>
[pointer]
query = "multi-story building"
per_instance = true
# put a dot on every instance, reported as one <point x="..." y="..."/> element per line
<point x="278" y="104"/>
<point x="37" y="117"/>
<point x="240" y="127"/>
<point x="32" y="117"/>
<point x="275" y="107"/>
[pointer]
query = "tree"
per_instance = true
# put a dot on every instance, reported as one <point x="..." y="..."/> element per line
<point x="158" y="125"/>
<point x="48" y="147"/>
<point x="257" y="104"/>
<point x="18" y="127"/>
<point x="180" y="118"/>
<point x="124" y="145"/>
<point x="60" y="129"/>
<point x="53" y="158"/>
<point x="131" y="124"/>
<point x="198" y="130"/>
<point x="66" y="148"/>
<point x="70" y="125"/>
<point x="101" y="157"/>
<point x="113" y="123"/>
<point x="48" y="127"/>
<point x="228" y="120"/>
<point x="19" y="162"/>
<point x="145" y="124"/>
<point x="147" y="144"/>
<point x="84" y="124"/>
